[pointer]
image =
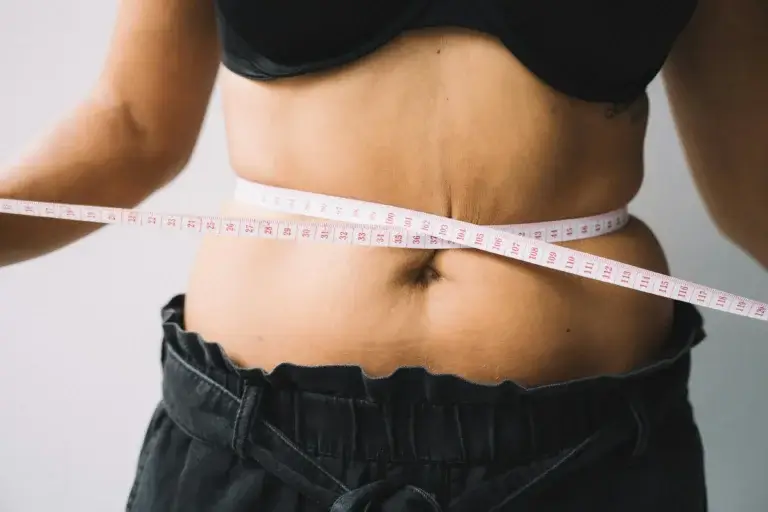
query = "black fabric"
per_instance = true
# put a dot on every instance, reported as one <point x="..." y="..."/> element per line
<point x="596" y="50"/>
<point x="228" y="439"/>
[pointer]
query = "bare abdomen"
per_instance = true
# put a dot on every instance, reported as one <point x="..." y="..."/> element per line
<point x="464" y="132"/>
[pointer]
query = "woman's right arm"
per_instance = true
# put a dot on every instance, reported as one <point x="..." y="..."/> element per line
<point x="130" y="136"/>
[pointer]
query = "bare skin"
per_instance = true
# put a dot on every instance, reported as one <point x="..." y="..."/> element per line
<point x="444" y="121"/>
<point x="414" y="126"/>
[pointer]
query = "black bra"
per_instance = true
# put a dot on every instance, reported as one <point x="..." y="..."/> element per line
<point x="595" y="50"/>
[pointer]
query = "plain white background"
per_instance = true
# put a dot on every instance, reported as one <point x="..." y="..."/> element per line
<point x="79" y="329"/>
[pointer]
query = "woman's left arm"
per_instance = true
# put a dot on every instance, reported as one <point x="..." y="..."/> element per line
<point x="717" y="82"/>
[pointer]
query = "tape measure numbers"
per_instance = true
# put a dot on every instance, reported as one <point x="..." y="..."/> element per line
<point x="353" y="222"/>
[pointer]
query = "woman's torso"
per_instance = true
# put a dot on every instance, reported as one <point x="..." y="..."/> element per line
<point x="445" y="121"/>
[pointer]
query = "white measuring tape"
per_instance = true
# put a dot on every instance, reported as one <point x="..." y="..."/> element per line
<point x="354" y="222"/>
<point x="368" y="217"/>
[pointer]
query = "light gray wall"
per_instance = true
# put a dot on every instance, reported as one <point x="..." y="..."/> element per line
<point x="79" y="330"/>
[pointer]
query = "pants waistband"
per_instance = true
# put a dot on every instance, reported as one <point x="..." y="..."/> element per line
<point x="412" y="414"/>
<point x="289" y="418"/>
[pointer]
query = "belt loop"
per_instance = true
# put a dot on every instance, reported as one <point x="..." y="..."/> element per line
<point x="643" y="427"/>
<point x="250" y="403"/>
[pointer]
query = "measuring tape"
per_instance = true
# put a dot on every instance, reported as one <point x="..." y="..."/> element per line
<point x="363" y="223"/>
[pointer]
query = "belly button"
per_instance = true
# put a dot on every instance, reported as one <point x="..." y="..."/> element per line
<point x="425" y="276"/>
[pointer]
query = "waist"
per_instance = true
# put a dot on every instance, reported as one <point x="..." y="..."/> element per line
<point x="469" y="313"/>
<point x="349" y="220"/>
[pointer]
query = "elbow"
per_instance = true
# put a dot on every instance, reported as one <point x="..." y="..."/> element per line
<point x="162" y="154"/>
<point x="155" y="148"/>
<point x="161" y="165"/>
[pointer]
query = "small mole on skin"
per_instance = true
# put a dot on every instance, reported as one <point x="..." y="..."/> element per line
<point x="568" y="330"/>
<point x="438" y="51"/>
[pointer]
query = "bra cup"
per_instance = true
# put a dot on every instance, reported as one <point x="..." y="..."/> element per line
<point x="594" y="50"/>
<point x="313" y="31"/>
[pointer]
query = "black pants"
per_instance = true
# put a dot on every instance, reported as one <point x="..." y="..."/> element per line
<point x="226" y="439"/>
